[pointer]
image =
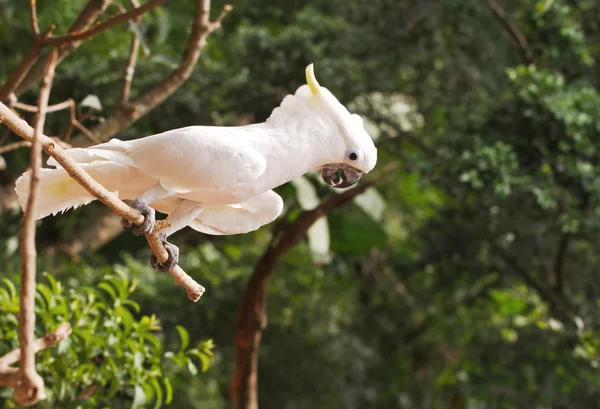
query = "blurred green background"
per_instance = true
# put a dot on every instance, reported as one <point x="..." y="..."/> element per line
<point x="467" y="279"/>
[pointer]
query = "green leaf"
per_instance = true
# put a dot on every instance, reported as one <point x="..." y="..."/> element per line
<point x="168" y="390"/>
<point x="139" y="398"/>
<point x="184" y="336"/>
<point x="11" y="288"/>
<point x="109" y="289"/>
<point x="192" y="368"/>
<point x="158" y="393"/>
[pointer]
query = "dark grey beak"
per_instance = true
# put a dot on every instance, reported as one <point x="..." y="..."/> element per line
<point x="340" y="175"/>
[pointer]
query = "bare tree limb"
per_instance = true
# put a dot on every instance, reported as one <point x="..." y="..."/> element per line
<point x="14" y="146"/>
<point x="130" y="68"/>
<point x="251" y="319"/>
<point x="110" y="199"/>
<point x="23" y="68"/>
<point x="201" y="29"/>
<point x="47" y="341"/>
<point x="34" y="22"/>
<point x="89" y="14"/>
<point x="74" y="123"/>
<point x="103" y="26"/>
<point x="30" y="386"/>
<point x="512" y="29"/>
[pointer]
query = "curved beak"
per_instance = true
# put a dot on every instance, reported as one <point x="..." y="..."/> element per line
<point x="340" y="175"/>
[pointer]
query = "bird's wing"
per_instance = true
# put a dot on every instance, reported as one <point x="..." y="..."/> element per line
<point x="193" y="158"/>
<point x="239" y="218"/>
<point x="231" y="219"/>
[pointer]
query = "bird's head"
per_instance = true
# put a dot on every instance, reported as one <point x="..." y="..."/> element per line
<point x="344" y="148"/>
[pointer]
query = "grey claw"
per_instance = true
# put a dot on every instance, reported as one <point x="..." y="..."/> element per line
<point x="171" y="262"/>
<point x="149" y="220"/>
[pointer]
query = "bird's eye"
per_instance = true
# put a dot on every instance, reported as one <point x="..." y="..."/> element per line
<point x="352" y="155"/>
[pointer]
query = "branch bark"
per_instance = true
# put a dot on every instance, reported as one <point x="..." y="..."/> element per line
<point x="110" y="199"/>
<point x="8" y="376"/>
<point x="89" y="14"/>
<point x="252" y="319"/>
<point x="130" y="68"/>
<point x="137" y="108"/>
<point x="30" y="385"/>
<point x="101" y="27"/>
<point x="512" y="29"/>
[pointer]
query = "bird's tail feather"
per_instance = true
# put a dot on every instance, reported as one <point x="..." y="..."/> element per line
<point x="58" y="192"/>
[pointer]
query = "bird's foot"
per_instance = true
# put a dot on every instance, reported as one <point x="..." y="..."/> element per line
<point x="149" y="220"/>
<point x="172" y="251"/>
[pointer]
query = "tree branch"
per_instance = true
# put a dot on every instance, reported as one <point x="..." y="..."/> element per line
<point x="34" y="22"/>
<point x="130" y="68"/>
<point x="103" y="26"/>
<point x="110" y="199"/>
<point x="89" y="14"/>
<point x="30" y="386"/>
<point x="557" y="304"/>
<point x="23" y="68"/>
<point x="513" y="30"/>
<point x="251" y="319"/>
<point x="201" y="29"/>
<point x="47" y="341"/>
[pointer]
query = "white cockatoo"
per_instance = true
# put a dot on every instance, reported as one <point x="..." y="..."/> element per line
<point x="217" y="180"/>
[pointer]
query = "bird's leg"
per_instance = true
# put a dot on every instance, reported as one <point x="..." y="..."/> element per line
<point x="183" y="214"/>
<point x="141" y="203"/>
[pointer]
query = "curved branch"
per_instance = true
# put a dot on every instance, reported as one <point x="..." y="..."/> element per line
<point x="110" y="199"/>
<point x="251" y="319"/>
<point x="103" y="26"/>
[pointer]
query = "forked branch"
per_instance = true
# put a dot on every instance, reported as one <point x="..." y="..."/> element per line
<point x="110" y="199"/>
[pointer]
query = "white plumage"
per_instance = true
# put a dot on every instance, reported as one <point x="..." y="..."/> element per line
<point x="219" y="180"/>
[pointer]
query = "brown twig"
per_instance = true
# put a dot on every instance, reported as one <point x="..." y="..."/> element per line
<point x="133" y="54"/>
<point x="23" y="68"/>
<point x="100" y="27"/>
<point x="30" y="386"/>
<point x="47" y="341"/>
<point x="34" y="22"/>
<point x="201" y="29"/>
<point x="9" y="375"/>
<point x="513" y="30"/>
<point x="13" y="146"/>
<point x="69" y="103"/>
<point x="251" y="319"/>
<point x="92" y="10"/>
<point x="110" y="199"/>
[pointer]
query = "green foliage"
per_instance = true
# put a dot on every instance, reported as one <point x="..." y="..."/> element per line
<point x="111" y="355"/>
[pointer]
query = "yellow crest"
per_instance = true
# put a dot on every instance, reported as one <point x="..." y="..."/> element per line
<point x="311" y="80"/>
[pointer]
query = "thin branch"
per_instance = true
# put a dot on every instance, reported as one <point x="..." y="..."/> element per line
<point x="92" y="10"/>
<point x="19" y="73"/>
<point x="73" y="118"/>
<point x="34" y="22"/>
<point x="110" y="199"/>
<point x="103" y="26"/>
<point x="14" y="146"/>
<point x="47" y="341"/>
<point x="51" y="108"/>
<point x="30" y="387"/>
<point x="251" y="319"/>
<point x="512" y="29"/>
<point x="133" y="54"/>
<point x="122" y="118"/>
